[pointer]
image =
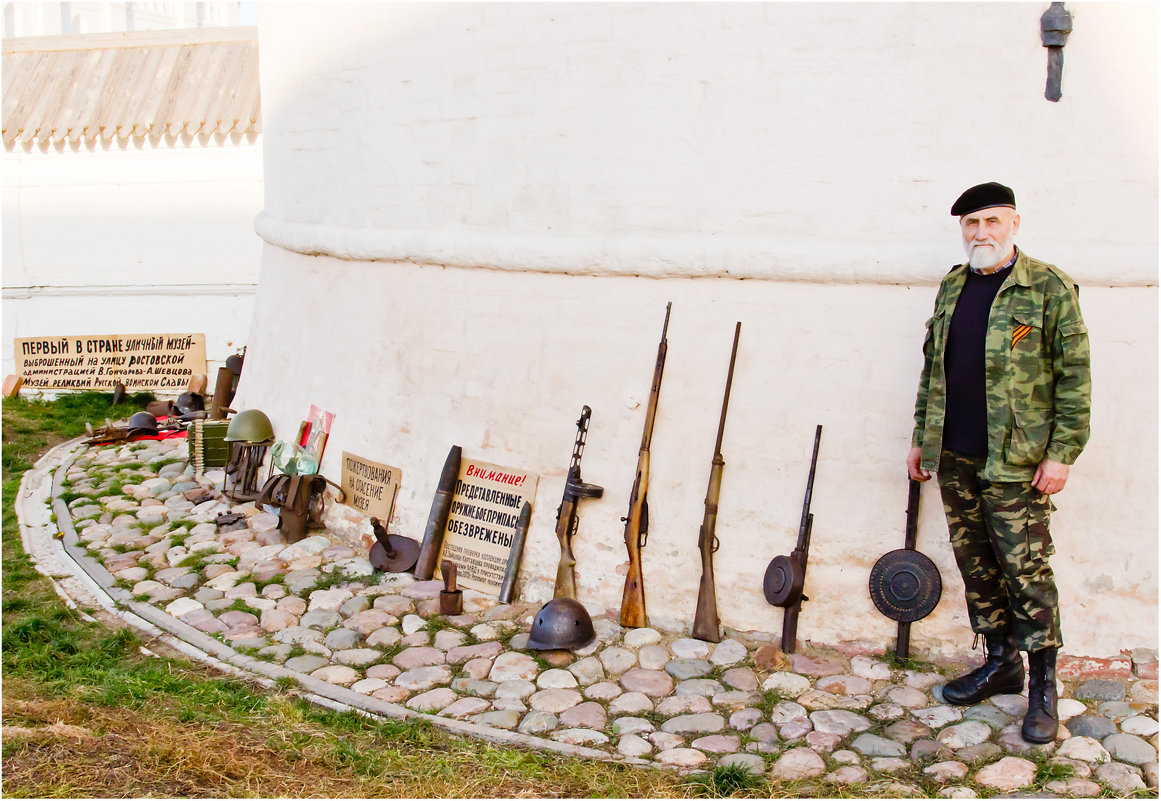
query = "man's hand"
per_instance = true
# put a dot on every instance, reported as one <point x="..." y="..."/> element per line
<point x="917" y="473"/>
<point x="1050" y="477"/>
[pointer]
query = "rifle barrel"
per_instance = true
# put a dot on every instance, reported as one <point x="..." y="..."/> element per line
<point x="802" y="525"/>
<point x="655" y="387"/>
<point x="729" y="383"/>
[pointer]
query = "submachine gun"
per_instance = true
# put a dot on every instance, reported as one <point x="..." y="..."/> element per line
<point x="566" y="516"/>
<point x="705" y="618"/>
<point x="637" y="521"/>
<point x="905" y="585"/>
<point x="786" y="575"/>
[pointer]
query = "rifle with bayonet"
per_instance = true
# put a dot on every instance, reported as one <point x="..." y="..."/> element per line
<point x="637" y="521"/>
<point x="785" y="575"/>
<point x="566" y="516"/>
<point x="705" y="618"/>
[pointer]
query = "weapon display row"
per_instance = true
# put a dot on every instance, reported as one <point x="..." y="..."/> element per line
<point x="904" y="584"/>
<point x="785" y="575"/>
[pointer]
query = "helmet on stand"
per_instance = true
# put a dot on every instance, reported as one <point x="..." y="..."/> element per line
<point x="250" y="426"/>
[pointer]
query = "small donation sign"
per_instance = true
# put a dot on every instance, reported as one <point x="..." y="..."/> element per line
<point x="139" y="361"/>
<point x="371" y="487"/>
<point x="482" y="523"/>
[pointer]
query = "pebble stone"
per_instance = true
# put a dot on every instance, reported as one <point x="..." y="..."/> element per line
<point x="1094" y="726"/>
<point x="1130" y="748"/>
<point x="555" y="701"/>
<point x="688" y="648"/>
<point x="653" y="657"/>
<point x="847" y="774"/>
<point x="682" y="757"/>
<point x="537" y="722"/>
<point x="617" y="660"/>
<point x="649" y="682"/>
<point x="1140" y="725"/>
<point x="874" y="745"/>
<point x="556" y="679"/>
<point x="1121" y="778"/>
<point x="638" y="638"/>
<point x="700" y="722"/>
<point x="632" y="745"/>
<point x="798" y="763"/>
<point x="788" y="684"/>
<point x="1086" y="749"/>
<point x="728" y="652"/>
<point x="753" y="764"/>
<point x="1010" y="773"/>
<point x="1100" y="690"/>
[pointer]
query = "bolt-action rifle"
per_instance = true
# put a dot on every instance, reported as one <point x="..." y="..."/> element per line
<point x="705" y="618"/>
<point x="637" y="521"/>
<point x="566" y="516"/>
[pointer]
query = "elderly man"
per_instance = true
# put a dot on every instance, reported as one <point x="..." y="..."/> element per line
<point x="1002" y="411"/>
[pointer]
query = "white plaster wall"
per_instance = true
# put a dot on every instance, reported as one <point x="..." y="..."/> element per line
<point x="789" y="166"/>
<point x="132" y="240"/>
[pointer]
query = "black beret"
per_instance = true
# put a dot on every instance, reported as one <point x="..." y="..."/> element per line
<point x="983" y="196"/>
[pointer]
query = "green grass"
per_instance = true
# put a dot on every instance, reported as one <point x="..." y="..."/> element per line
<point x="723" y="781"/>
<point x="166" y="727"/>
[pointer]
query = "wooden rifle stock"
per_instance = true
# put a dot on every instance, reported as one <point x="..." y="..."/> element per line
<point x="637" y="521"/>
<point x="566" y="569"/>
<point x="790" y="613"/>
<point x="566" y="517"/>
<point x="705" y="619"/>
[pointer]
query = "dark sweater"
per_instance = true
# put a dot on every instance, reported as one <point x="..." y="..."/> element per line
<point x="965" y="427"/>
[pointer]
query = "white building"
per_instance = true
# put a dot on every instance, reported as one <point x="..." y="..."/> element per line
<point x="132" y="173"/>
<point x="56" y="19"/>
<point x="476" y="213"/>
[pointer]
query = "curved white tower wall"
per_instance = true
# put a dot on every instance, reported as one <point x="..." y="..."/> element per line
<point x="476" y="213"/>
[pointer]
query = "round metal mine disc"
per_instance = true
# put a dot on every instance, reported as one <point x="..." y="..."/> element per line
<point x="405" y="556"/>
<point x="783" y="581"/>
<point x="905" y="585"/>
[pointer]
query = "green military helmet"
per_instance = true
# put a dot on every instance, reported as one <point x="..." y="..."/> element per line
<point x="250" y="425"/>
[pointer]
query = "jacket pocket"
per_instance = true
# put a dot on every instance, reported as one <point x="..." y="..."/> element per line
<point x="1031" y="429"/>
<point x="1026" y="338"/>
<point x="1075" y="344"/>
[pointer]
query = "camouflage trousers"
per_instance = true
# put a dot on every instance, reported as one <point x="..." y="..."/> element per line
<point x="999" y="533"/>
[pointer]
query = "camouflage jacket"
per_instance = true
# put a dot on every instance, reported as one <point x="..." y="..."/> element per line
<point x="1036" y="366"/>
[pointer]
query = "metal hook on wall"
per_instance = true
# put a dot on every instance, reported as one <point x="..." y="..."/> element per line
<point x="1055" y="25"/>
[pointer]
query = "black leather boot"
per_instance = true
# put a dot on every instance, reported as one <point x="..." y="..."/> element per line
<point x="1041" y="723"/>
<point x="1002" y="672"/>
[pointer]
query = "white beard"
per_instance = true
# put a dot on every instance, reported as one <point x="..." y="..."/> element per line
<point x="984" y="258"/>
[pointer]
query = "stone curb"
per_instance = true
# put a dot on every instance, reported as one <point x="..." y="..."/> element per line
<point x="206" y="649"/>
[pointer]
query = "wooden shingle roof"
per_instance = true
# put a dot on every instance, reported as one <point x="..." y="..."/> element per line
<point x="151" y="84"/>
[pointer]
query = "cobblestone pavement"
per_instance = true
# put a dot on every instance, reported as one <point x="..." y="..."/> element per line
<point x="318" y="609"/>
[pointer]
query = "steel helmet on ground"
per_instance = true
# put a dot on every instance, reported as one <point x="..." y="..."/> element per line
<point x="189" y="402"/>
<point x="249" y="425"/>
<point x="562" y="623"/>
<point x="142" y="422"/>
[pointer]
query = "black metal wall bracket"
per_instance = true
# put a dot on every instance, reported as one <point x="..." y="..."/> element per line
<point x="1055" y="25"/>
